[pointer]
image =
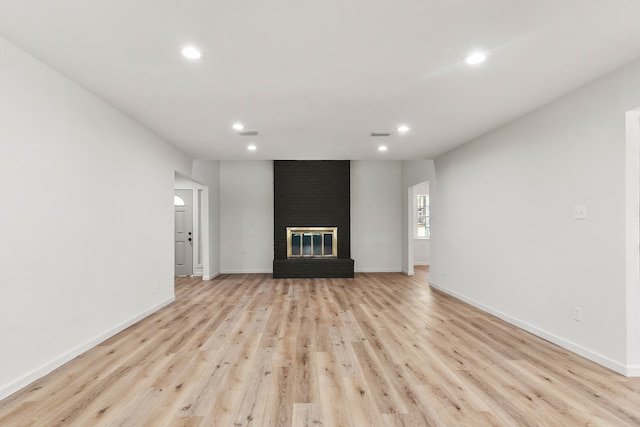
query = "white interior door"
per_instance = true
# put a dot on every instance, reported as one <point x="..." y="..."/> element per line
<point x="183" y="205"/>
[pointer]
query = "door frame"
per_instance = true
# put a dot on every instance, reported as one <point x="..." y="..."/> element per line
<point x="189" y="267"/>
<point x="411" y="220"/>
<point x="409" y="231"/>
<point x="632" y="241"/>
<point x="201" y="243"/>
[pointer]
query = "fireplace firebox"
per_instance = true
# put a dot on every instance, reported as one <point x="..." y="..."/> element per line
<point x="312" y="242"/>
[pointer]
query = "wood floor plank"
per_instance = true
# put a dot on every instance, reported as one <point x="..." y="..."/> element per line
<point x="377" y="350"/>
<point x="360" y="402"/>
<point x="279" y="405"/>
<point x="343" y="352"/>
<point x="331" y="390"/>
<point x="378" y="384"/>
<point x="307" y="415"/>
<point x="174" y="384"/>
<point x="252" y="401"/>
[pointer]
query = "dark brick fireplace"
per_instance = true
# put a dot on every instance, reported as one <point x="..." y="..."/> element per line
<point x="315" y="193"/>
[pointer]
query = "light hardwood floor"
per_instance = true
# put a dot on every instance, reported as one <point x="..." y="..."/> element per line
<point x="379" y="350"/>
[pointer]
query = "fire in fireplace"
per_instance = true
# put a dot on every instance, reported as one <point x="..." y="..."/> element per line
<point x="312" y="242"/>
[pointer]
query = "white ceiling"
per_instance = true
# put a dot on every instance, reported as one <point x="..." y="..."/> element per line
<point x="316" y="77"/>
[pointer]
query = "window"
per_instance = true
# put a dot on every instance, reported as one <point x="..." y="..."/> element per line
<point x="177" y="201"/>
<point x="422" y="217"/>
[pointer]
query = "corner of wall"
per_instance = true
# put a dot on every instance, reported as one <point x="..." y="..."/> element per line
<point x="211" y="276"/>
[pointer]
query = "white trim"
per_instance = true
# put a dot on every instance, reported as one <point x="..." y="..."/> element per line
<point x="212" y="276"/>
<point x="421" y="263"/>
<point x="378" y="270"/>
<point x="632" y="240"/>
<point x="633" y="371"/>
<point x="409" y="232"/>
<point x="207" y="274"/>
<point x="614" y="365"/>
<point x="251" y="271"/>
<point x="8" y="389"/>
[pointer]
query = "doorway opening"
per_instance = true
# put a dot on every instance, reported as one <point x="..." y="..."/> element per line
<point x="191" y="242"/>
<point x="419" y="227"/>
<point x="183" y="230"/>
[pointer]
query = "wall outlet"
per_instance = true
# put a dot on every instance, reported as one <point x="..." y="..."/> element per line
<point x="580" y="212"/>
<point x="577" y="314"/>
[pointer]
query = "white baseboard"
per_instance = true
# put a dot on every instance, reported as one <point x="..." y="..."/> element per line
<point x="421" y="264"/>
<point x="409" y="272"/>
<point x="8" y="389"/>
<point x="596" y="357"/>
<point x="377" y="270"/>
<point x="633" y="371"/>
<point x="211" y="276"/>
<point x="249" y="271"/>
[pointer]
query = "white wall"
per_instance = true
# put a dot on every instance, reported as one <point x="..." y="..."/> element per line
<point x="208" y="173"/>
<point x="421" y="251"/>
<point x="246" y="216"/>
<point x="375" y="215"/>
<point x="504" y="234"/>
<point x="413" y="172"/>
<point x="88" y="219"/>
<point x="421" y="247"/>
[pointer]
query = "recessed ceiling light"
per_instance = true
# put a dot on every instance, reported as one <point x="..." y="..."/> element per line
<point x="475" y="58"/>
<point x="191" y="53"/>
<point x="238" y="126"/>
<point x="382" y="148"/>
<point x="252" y="147"/>
<point x="403" y="128"/>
